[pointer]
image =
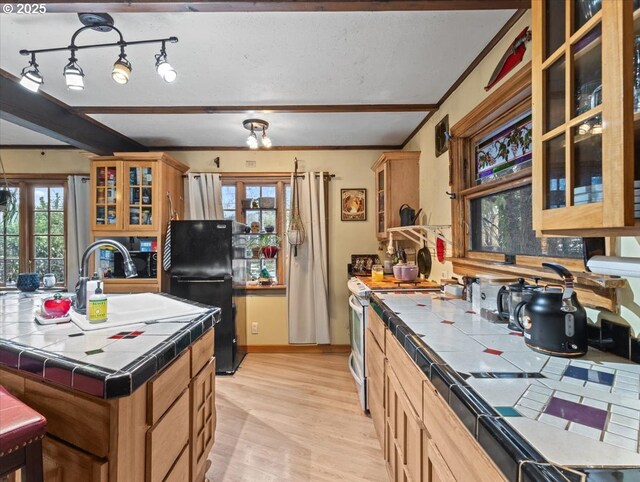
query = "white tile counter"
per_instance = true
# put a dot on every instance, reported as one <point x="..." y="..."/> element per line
<point x="581" y="412"/>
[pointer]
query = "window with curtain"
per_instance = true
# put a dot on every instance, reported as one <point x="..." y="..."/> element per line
<point x="32" y="232"/>
<point x="264" y="200"/>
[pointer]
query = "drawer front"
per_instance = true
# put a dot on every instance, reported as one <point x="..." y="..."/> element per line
<point x="460" y="451"/>
<point x="435" y="469"/>
<point x="180" y="470"/>
<point x="201" y="352"/>
<point x="63" y="463"/>
<point x="408" y="373"/>
<point x="376" y="325"/>
<point x="167" y="439"/>
<point x="375" y="366"/>
<point x="90" y="430"/>
<point x="164" y="389"/>
<point x="203" y="418"/>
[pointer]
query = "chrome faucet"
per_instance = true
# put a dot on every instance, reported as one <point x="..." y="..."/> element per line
<point x="81" y="288"/>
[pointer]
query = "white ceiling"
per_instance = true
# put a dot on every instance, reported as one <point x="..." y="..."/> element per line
<point x="357" y="129"/>
<point x="11" y="134"/>
<point x="266" y="58"/>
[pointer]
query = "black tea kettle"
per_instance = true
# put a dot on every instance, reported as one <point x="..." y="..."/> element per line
<point x="408" y="215"/>
<point x="553" y="320"/>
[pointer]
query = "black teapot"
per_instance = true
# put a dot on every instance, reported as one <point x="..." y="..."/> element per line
<point x="553" y="320"/>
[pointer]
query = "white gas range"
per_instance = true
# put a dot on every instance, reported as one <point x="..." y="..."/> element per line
<point x="358" y="302"/>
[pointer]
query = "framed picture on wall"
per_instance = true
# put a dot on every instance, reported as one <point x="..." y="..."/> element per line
<point x="442" y="136"/>
<point x="354" y="204"/>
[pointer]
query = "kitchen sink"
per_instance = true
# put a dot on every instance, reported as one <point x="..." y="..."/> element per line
<point x="138" y="308"/>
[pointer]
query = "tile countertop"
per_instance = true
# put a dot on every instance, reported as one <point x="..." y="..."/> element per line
<point x="106" y="363"/>
<point x="538" y="417"/>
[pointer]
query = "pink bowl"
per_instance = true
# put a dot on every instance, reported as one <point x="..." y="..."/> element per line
<point x="405" y="272"/>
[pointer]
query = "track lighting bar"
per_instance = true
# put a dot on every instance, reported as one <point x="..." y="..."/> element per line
<point x="74" y="76"/>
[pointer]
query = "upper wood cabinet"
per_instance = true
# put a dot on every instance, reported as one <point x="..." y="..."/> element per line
<point x="397" y="181"/>
<point x="129" y="199"/>
<point x="584" y="126"/>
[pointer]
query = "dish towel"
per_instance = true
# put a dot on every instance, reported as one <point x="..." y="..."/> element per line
<point x="166" y="254"/>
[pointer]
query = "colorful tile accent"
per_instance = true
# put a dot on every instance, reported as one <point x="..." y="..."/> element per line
<point x="507" y="411"/>
<point x="94" y="352"/>
<point x="421" y="305"/>
<point x="126" y="335"/>
<point x="471" y="312"/>
<point x="575" y="412"/>
<point x="516" y="333"/>
<point x="491" y="351"/>
<point x="589" y="375"/>
<point x="447" y="322"/>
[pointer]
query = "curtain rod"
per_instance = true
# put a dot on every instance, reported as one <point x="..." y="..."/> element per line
<point x="283" y="175"/>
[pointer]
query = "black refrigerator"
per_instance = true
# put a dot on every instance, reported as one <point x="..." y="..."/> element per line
<point x="207" y="266"/>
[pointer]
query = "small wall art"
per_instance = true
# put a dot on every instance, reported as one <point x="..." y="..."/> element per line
<point x="442" y="136"/>
<point x="354" y="204"/>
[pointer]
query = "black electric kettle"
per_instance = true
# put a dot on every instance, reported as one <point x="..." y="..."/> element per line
<point x="408" y="215"/>
<point x="553" y="320"/>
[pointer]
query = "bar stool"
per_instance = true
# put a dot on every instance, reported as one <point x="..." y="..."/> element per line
<point x="21" y="432"/>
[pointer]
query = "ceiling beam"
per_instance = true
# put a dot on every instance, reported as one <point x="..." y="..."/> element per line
<point x="264" y="109"/>
<point x="49" y="116"/>
<point x="123" y="6"/>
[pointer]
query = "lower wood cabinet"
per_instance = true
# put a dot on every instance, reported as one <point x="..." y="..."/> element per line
<point x="404" y="431"/>
<point x="423" y="440"/>
<point x="203" y="419"/>
<point x="375" y="360"/>
<point x="62" y="462"/>
<point x="180" y="470"/>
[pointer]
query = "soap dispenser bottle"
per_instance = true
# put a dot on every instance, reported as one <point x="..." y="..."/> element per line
<point x="97" y="309"/>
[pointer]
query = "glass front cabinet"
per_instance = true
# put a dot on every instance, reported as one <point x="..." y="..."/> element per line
<point x="586" y="104"/>
<point x="141" y="193"/>
<point x="106" y="195"/>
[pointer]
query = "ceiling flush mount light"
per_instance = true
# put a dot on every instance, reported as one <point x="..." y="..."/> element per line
<point x="121" y="69"/>
<point x="73" y="74"/>
<point x="163" y="67"/>
<point x="30" y="78"/>
<point x="254" y="125"/>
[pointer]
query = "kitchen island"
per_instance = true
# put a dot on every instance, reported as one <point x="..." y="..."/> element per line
<point x="124" y="403"/>
<point x="455" y="397"/>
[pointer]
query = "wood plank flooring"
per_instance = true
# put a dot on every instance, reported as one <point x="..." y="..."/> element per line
<point x="293" y="417"/>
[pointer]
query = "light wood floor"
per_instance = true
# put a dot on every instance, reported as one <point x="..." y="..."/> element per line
<point x="293" y="417"/>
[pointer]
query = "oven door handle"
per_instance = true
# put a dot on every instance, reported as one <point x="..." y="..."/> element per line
<point x="353" y="373"/>
<point x="355" y="306"/>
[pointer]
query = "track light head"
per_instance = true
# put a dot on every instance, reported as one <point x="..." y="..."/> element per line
<point x="73" y="74"/>
<point x="164" y="68"/>
<point x="266" y="140"/>
<point x="121" y="69"/>
<point x="252" y="140"/>
<point x="30" y="78"/>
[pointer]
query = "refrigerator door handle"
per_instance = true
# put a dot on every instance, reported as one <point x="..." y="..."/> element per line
<point x="201" y="281"/>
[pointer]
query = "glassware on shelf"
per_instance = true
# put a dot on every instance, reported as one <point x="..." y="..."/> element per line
<point x="377" y="272"/>
<point x="586" y="10"/>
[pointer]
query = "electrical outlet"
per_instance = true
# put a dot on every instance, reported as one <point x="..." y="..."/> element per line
<point x="250" y="164"/>
<point x="254" y="328"/>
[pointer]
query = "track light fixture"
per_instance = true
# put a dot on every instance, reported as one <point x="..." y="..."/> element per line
<point x="257" y="125"/>
<point x="121" y="68"/>
<point x="73" y="74"/>
<point x="163" y="67"/>
<point x="30" y="78"/>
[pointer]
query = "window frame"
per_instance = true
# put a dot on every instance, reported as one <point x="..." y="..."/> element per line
<point x="27" y="184"/>
<point x="506" y="103"/>
<point x="280" y="181"/>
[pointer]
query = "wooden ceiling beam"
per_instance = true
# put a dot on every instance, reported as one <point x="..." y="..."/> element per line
<point x="278" y="148"/>
<point x="49" y="116"/>
<point x="263" y="109"/>
<point x="57" y="6"/>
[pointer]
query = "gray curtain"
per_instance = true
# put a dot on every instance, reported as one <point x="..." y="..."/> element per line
<point x="77" y="225"/>
<point x="307" y="283"/>
<point x="204" y="196"/>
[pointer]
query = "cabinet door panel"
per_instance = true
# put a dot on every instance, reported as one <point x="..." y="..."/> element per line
<point x="141" y="196"/>
<point x="106" y="195"/>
